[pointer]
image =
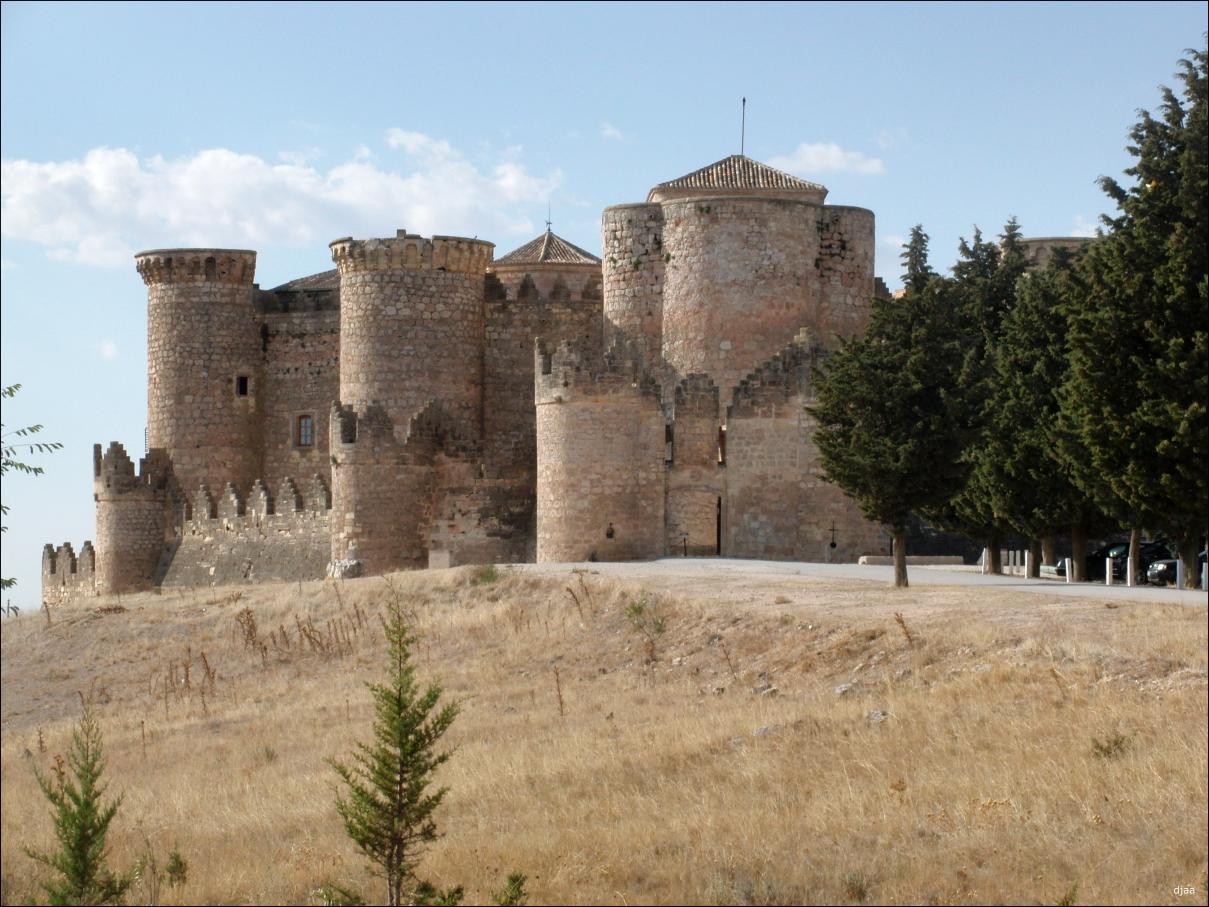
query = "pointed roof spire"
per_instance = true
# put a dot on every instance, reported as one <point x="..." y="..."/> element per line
<point x="549" y="248"/>
<point x="739" y="175"/>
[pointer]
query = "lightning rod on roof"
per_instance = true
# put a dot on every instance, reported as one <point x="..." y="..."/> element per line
<point x="548" y="215"/>
<point x="743" y="130"/>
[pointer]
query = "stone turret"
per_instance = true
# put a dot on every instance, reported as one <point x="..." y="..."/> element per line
<point x="131" y="512"/>
<point x="601" y="444"/>
<point x="411" y="324"/>
<point x="204" y="363"/>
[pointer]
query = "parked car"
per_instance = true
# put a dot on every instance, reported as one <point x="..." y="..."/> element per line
<point x="1148" y="553"/>
<point x="1162" y="573"/>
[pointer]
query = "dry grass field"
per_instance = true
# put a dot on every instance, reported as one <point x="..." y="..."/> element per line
<point x="777" y="741"/>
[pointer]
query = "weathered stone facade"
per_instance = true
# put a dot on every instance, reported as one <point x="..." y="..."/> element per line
<point x="425" y="405"/>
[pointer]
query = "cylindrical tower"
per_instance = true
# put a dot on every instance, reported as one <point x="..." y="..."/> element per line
<point x="411" y="325"/>
<point x="130" y="523"/>
<point x="204" y="364"/>
<point x="634" y="263"/>
<point x="600" y="474"/>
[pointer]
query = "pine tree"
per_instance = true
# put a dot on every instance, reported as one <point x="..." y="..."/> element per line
<point x="1134" y="405"/>
<point x="888" y="430"/>
<point x="390" y="802"/>
<point x="984" y="281"/>
<point x="81" y="823"/>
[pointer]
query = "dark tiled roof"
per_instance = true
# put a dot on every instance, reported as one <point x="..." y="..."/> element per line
<point x="739" y="172"/>
<point x="324" y="280"/>
<point x="549" y="248"/>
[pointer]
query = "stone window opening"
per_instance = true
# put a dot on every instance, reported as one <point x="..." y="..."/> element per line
<point x="241" y="385"/>
<point x="722" y="446"/>
<point x="304" y="434"/>
<point x="669" y="452"/>
<point x="610" y="532"/>
<point x="211" y="269"/>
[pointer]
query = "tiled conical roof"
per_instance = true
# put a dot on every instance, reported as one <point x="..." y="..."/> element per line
<point x="549" y="248"/>
<point x="737" y="174"/>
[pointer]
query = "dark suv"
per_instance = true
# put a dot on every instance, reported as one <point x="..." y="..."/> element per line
<point x="1162" y="572"/>
<point x="1148" y="553"/>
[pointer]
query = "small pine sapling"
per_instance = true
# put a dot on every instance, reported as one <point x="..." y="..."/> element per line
<point x="81" y="820"/>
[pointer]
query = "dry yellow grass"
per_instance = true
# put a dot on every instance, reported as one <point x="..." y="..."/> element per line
<point x="1013" y="748"/>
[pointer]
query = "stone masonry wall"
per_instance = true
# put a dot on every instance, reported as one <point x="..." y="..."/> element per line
<point x="131" y="519"/>
<point x="282" y="534"/>
<point x="695" y="481"/>
<point x="777" y="504"/>
<point x="301" y="377"/>
<point x="741" y="280"/>
<point x="524" y="303"/>
<point x="66" y="576"/>
<point x="845" y="273"/>
<point x="411" y="325"/>
<point x="203" y="334"/>
<point x="633" y="262"/>
<point x="600" y="480"/>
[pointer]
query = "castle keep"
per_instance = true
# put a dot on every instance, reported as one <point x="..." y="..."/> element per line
<point x="424" y="404"/>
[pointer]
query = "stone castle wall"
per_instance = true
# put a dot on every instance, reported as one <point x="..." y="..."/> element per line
<point x="283" y="533"/>
<point x="634" y="265"/>
<point x="601" y="446"/>
<point x="203" y="336"/>
<point x="740" y="282"/>
<point x="695" y="478"/>
<point x="66" y="575"/>
<point x="301" y="343"/>
<point x="132" y="514"/>
<point x="411" y="325"/>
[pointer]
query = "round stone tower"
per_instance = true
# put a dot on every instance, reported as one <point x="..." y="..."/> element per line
<point x="600" y="476"/>
<point x="204" y="364"/>
<point x="752" y="255"/>
<point x="411" y="325"/>
<point x="634" y="260"/>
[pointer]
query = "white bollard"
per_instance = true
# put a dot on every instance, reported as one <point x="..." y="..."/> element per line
<point x="1179" y="573"/>
<point x="1069" y="566"/>
<point x="1131" y="578"/>
<point x="1108" y="571"/>
<point x="1204" y="576"/>
<point x="985" y="561"/>
<point x="1028" y="563"/>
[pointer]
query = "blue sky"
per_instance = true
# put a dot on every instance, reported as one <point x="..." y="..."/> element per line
<point x="280" y="127"/>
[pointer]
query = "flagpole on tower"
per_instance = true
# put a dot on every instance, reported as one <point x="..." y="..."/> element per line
<point x="743" y="130"/>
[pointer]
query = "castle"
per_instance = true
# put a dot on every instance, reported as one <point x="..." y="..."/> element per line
<point x="425" y="405"/>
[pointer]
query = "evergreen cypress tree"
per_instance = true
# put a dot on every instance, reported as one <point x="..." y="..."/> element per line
<point x="389" y="806"/>
<point x="81" y="823"/>
<point x="1134" y="404"/>
<point x="888" y="431"/>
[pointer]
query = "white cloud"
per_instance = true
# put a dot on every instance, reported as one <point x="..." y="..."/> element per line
<point x="103" y="207"/>
<point x="7" y="264"/>
<point x="109" y="349"/>
<point x="827" y="157"/>
<point x="1084" y="227"/>
<point x="894" y="241"/>
<point x="609" y="131"/>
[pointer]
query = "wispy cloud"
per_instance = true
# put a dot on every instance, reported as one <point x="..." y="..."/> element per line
<point x="827" y="157"/>
<point x="101" y="208"/>
<point x="894" y="241"/>
<point x="1084" y="227"/>
<point x="609" y="131"/>
<point x="108" y="349"/>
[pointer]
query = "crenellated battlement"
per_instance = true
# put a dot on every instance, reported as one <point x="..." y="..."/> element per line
<point x="235" y="267"/>
<point x="696" y="395"/>
<point x="570" y="370"/>
<point x="113" y="471"/>
<point x="774" y="383"/>
<point x="411" y="252"/>
<point x="66" y="575"/>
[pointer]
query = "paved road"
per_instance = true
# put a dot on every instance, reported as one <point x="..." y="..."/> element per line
<point x="701" y="568"/>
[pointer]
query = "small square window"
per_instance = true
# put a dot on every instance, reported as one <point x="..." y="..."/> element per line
<point x="241" y="386"/>
<point x="306" y="431"/>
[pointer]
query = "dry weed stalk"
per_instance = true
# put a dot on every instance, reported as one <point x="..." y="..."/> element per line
<point x="575" y="598"/>
<point x="246" y="621"/>
<point x="558" y="688"/>
<point x="729" y="664"/>
<point x="902" y="625"/>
